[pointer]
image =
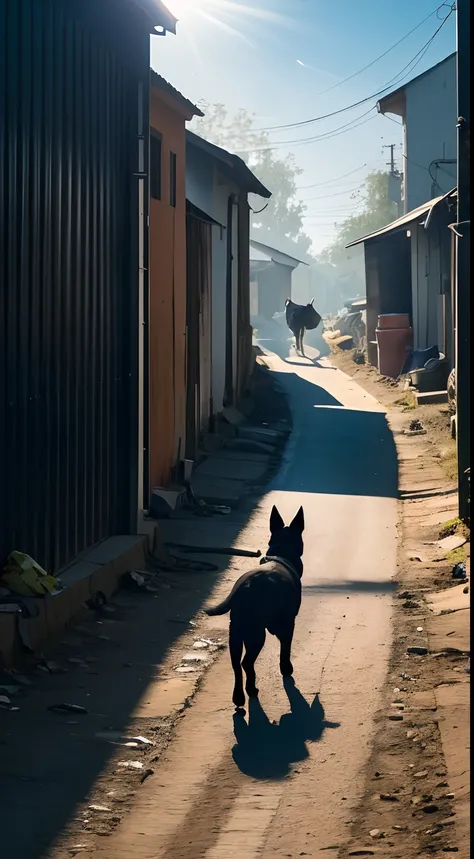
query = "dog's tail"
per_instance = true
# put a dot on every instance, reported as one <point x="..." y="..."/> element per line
<point x="222" y="608"/>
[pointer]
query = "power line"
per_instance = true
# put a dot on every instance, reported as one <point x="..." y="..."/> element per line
<point x="327" y="135"/>
<point x="362" y="101"/>
<point x="329" y="181"/>
<point x="381" y="56"/>
<point x="337" y="194"/>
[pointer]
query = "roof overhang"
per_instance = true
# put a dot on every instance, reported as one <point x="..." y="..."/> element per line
<point x="233" y="166"/>
<point x="200" y="215"/>
<point x="262" y="251"/>
<point x="173" y="97"/>
<point x="159" y="16"/>
<point x="422" y="214"/>
<point x="395" y="103"/>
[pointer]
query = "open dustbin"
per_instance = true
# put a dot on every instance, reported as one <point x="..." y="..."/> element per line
<point x="394" y="336"/>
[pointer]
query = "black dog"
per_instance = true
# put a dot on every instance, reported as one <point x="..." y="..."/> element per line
<point x="267" y="598"/>
<point x="300" y="317"/>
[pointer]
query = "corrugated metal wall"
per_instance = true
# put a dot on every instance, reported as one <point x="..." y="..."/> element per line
<point x="66" y="268"/>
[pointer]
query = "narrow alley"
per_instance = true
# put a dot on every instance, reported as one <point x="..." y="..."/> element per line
<point x="234" y="277"/>
<point x="282" y="781"/>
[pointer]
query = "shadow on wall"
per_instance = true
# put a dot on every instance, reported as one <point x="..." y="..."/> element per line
<point x="338" y="450"/>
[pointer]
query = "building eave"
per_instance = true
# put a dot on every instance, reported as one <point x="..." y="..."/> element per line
<point x="236" y="169"/>
<point x="423" y="212"/>
<point x="158" y="15"/>
<point x="391" y="103"/>
<point x="162" y="86"/>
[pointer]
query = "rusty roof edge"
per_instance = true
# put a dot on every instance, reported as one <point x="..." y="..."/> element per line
<point x="452" y="193"/>
<point x="398" y="223"/>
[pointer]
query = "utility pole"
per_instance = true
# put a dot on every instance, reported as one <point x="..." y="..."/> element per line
<point x="391" y="163"/>
<point x="463" y="240"/>
<point x="396" y="193"/>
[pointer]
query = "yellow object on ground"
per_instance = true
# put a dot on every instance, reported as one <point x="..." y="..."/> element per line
<point x="24" y="576"/>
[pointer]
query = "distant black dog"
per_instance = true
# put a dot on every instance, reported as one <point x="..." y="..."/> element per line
<point x="300" y="317"/>
<point x="266" y="598"/>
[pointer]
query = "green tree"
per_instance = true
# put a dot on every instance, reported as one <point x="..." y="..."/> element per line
<point x="284" y="214"/>
<point x="378" y="211"/>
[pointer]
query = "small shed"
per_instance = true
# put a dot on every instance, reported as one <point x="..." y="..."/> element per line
<point x="408" y="270"/>
<point x="270" y="279"/>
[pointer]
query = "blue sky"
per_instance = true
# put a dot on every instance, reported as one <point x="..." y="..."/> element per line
<point x="245" y="54"/>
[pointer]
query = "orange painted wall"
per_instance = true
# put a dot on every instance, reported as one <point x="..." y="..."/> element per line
<point x="167" y="297"/>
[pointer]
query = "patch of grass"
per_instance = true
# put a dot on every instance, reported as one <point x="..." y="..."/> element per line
<point x="449" y="462"/>
<point x="454" y="526"/>
<point x="407" y="403"/>
<point x="456" y="556"/>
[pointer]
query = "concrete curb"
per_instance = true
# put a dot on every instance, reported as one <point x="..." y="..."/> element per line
<point x="97" y="570"/>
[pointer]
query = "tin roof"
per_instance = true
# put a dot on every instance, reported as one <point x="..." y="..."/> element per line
<point x="260" y="252"/>
<point x="238" y="170"/>
<point x="162" y="84"/>
<point x="394" y="226"/>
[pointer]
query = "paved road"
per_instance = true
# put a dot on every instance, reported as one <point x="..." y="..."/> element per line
<point x="284" y="782"/>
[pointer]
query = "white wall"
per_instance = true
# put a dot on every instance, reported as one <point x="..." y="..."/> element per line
<point x="430" y="134"/>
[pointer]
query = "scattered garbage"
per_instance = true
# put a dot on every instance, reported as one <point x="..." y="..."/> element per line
<point x="204" y="643"/>
<point x="138" y="582"/>
<point x="68" y="708"/>
<point x="415" y="428"/>
<point x="459" y="570"/>
<point x="408" y="677"/>
<point x="148" y="772"/>
<point x="388" y="797"/>
<point x="50" y="667"/>
<point x="132" y="765"/>
<point x="97" y="602"/>
<point x="202" y="508"/>
<point x="99" y="807"/>
<point x="418" y="651"/>
<point x="5" y="701"/>
<point x="24" y="576"/>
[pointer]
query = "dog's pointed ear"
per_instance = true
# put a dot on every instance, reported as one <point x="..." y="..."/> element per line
<point x="298" y="522"/>
<point x="311" y="302"/>
<point x="276" y="522"/>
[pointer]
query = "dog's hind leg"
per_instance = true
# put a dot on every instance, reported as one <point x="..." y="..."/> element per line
<point x="236" y="645"/>
<point x="301" y="341"/>
<point x="254" y="642"/>
<point x="286" y="640"/>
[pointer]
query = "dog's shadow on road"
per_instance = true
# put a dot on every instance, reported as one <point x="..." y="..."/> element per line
<point x="266" y="750"/>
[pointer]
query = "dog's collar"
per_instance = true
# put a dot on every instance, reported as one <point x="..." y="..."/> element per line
<point x="284" y="563"/>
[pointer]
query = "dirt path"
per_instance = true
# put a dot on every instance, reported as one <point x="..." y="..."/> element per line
<point x="284" y="781"/>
